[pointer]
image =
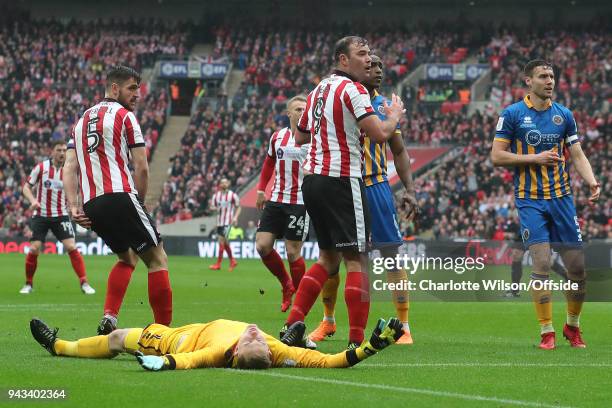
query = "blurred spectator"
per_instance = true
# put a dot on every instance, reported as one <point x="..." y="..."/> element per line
<point x="250" y="231"/>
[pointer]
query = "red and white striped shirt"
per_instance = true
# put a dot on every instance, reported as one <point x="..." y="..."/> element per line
<point x="47" y="180"/>
<point x="332" y="111"/>
<point x="288" y="157"/>
<point x="102" y="139"/>
<point x="226" y="203"/>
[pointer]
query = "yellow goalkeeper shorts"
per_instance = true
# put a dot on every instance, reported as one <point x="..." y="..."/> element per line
<point x="157" y="340"/>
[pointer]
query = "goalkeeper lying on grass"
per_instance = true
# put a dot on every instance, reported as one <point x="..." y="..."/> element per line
<point x="220" y="343"/>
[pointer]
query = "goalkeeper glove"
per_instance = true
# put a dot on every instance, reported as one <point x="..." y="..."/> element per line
<point x="151" y="363"/>
<point x="382" y="336"/>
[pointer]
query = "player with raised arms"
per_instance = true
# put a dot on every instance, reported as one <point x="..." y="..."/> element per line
<point x="284" y="215"/>
<point x="111" y="200"/>
<point x="530" y="137"/>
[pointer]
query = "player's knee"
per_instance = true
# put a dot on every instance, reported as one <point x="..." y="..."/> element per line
<point x="164" y="257"/>
<point x="130" y="262"/>
<point x="160" y="259"/>
<point x="263" y="247"/>
<point x="542" y="265"/>
<point x="330" y="263"/>
<point x="128" y="258"/>
<point x="293" y="252"/>
<point x="577" y="273"/>
<point x="69" y="247"/>
<point x="116" y="340"/>
<point x="293" y="256"/>
<point x="34" y="249"/>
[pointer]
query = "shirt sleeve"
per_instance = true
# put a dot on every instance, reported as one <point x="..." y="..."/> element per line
<point x="132" y="131"/>
<point x="504" y="131"/>
<point x="571" y="130"/>
<point x="206" y="357"/>
<point x="271" y="151"/>
<point x="236" y="199"/>
<point x="34" y="174"/>
<point x="357" y="100"/>
<point x="286" y="356"/>
<point x="304" y="122"/>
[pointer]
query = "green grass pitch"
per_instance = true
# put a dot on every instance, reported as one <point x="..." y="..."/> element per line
<point x="465" y="354"/>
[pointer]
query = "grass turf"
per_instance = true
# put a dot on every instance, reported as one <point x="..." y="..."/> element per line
<point x="465" y="354"/>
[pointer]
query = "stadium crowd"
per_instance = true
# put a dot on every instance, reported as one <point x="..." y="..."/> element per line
<point x="50" y="74"/>
<point x="41" y="99"/>
<point x="278" y="65"/>
<point x="474" y="199"/>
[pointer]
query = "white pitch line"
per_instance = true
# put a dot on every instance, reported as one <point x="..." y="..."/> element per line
<point x="478" y="365"/>
<point x="407" y="390"/>
<point x="11" y="305"/>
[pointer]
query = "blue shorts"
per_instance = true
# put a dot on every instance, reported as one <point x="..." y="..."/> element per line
<point x="383" y="217"/>
<point x="553" y="221"/>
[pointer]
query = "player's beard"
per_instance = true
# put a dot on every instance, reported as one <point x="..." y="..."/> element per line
<point x="542" y="95"/>
<point x="124" y="101"/>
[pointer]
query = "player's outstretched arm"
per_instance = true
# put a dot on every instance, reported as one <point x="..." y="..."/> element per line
<point x="152" y="363"/>
<point x="583" y="167"/>
<point x="206" y="357"/>
<point x="383" y="335"/>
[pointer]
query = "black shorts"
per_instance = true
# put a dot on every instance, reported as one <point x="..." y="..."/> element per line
<point x="223" y="230"/>
<point x="122" y="222"/>
<point x="289" y="221"/>
<point x="339" y="211"/>
<point x="60" y="226"/>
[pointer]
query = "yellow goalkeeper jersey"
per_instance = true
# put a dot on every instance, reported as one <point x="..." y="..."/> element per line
<point x="212" y="345"/>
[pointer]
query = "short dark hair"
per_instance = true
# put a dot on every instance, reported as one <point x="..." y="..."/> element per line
<point x="343" y="45"/>
<point x="374" y="58"/>
<point x="119" y="74"/>
<point x="533" y="64"/>
<point x="57" y="143"/>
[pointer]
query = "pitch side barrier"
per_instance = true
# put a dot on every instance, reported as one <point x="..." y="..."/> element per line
<point x="436" y="270"/>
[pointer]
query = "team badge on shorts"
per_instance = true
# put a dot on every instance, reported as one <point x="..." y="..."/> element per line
<point x="525" y="235"/>
<point x="557" y="120"/>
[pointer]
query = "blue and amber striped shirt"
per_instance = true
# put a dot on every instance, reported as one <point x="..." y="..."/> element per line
<point x="375" y="154"/>
<point x="529" y="131"/>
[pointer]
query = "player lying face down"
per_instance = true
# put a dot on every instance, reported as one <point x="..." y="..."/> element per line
<point x="220" y="344"/>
